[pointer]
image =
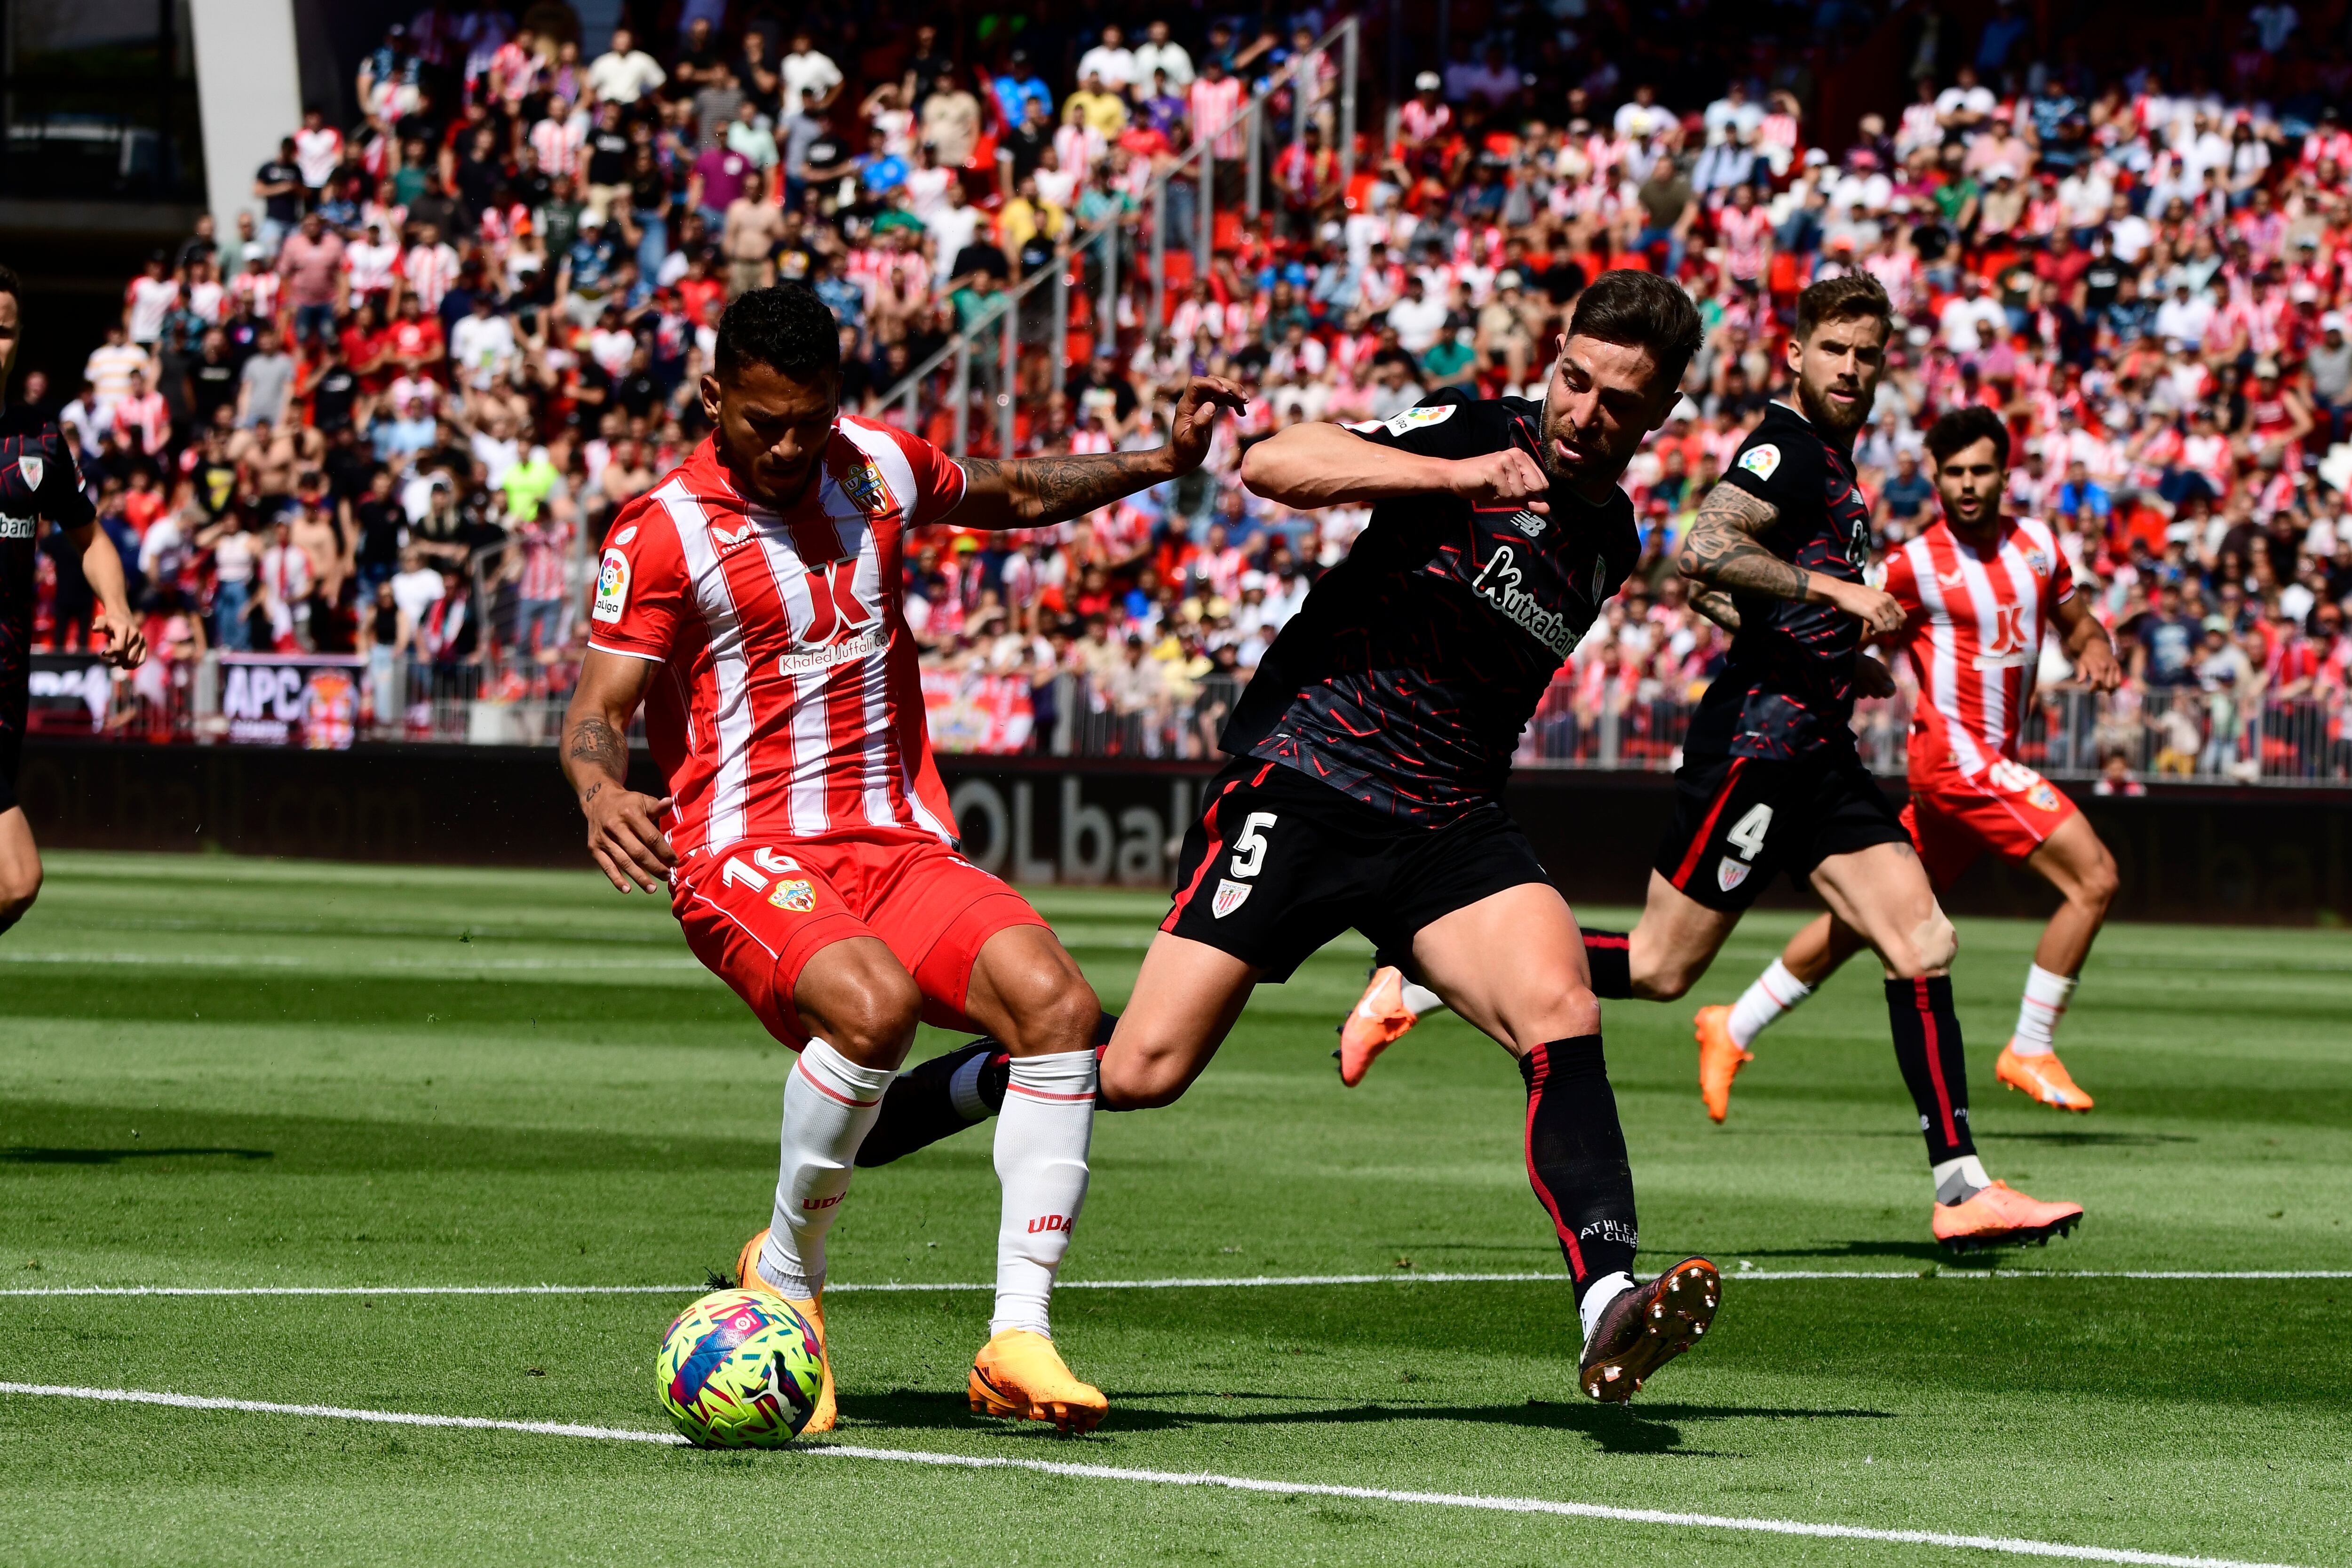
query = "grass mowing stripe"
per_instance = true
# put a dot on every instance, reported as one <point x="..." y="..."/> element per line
<point x="1205" y="1282"/>
<point x="2008" y="1545"/>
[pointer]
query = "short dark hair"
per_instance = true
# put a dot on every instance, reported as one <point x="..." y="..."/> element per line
<point x="11" y="284"/>
<point x="1640" y="310"/>
<point x="1963" y="428"/>
<point x="786" y="328"/>
<point x="1842" y="298"/>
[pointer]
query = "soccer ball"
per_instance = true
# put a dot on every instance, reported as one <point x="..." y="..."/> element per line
<point x="740" y="1370"/>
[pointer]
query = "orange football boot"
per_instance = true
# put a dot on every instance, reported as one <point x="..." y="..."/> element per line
<point x="1719" y="1059"/>
<point x="2000" y="1215"/>
<point x="1378" y="1020"/>
<point x="2042" y="1076"/>
<point x="747" y="1278"/>
<point x="1019" y="1374"/>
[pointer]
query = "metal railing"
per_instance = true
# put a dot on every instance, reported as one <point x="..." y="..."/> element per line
<point x="1000" y="317"/>
<point x="503" y="697"/>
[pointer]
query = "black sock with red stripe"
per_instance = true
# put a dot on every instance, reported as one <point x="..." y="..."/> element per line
<point x="1928" y="1044"/>
<point x="941" y="1096"/>
<point x="1609" y="955"/>
<point x="1576" y="1158"/>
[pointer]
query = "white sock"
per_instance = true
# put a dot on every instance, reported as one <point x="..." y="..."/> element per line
<point x="963" y="1088"/>
<point x="2046" y="995"/>
<point x="1606" y="1289"/>
<point x="1041" y="1160"/>
<point x="1775" y="992"/>
<point x="830" y="1104"/>
<point x="1419" y="999"/>
<point x="1958" y="1180"/>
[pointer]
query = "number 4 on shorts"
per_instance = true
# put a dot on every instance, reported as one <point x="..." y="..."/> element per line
<point x="1747" y="835"/>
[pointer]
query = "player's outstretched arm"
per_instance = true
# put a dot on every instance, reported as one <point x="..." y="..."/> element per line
<point x="1035" y="492"/>
<point x="1724" y="550"/>
<point x="1322" y="464"/>
<point x="1718" y="606"/>
<point x="624" y="836"/>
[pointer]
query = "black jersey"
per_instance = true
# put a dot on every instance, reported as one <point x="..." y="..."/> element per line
<point x="38" y="479"/>
<point x="1406" y="677"/>
<point x="1787" y="689"/>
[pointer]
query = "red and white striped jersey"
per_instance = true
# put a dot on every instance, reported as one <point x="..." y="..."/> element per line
<point x="1974" y="635"/>
<point x="789" y="703"/>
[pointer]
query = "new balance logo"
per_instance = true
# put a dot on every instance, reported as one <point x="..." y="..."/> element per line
<point x="1528" y="523"/>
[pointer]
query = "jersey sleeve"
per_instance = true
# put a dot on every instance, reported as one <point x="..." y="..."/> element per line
<point x="938" y="480"/>
<point x="60" y="493"/>
<point x="1431" y="430"/>
<point x="1783" y="472"/>
<point x="1902" y="586"/>
<point x="2062" y="575"/>
<point x="642" y="594"/>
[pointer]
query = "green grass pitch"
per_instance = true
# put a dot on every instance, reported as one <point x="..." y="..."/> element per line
<point x="223" y="1073"/>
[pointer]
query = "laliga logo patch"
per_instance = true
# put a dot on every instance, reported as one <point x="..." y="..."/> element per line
<point x="1420" y="419"/>
<point x="794" y="897"/>
<point x="1729" y="873"/>
<point x="612" y="588"/>
<point x="32" y="468"/>
<point x="1762" y="461"/>
<point x="1230" y="895"/>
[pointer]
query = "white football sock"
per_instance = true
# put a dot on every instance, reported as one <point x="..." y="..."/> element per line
<point x="830" y="1104"/>
<point x="1042" y="1136"/>
<point x="1419" y="999"/>
<point x="2046" y="995"/>
<point x="1606" y="1289"/>
<point x="1774" y="993"/>
<point x="1958" y="1180"/>
<point x="963" y="1088"/>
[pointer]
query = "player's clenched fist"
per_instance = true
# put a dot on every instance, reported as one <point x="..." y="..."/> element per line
<point x="628" y="843"/>
<point x="1879" y="611"/>
<point x="1510" y="477"/>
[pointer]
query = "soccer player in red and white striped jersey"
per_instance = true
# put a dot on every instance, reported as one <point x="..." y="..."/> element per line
<point x="751" y="604"/>
<point x="1978" y="589"/>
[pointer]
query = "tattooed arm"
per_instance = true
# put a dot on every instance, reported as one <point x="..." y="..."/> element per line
<point x="1716" y="606"/>
<point x="1032" y="493"/>
<point x="1724" y="550"/>
<point x="628" y="845"/>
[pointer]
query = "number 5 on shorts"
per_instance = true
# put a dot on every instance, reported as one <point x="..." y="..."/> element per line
<point x="1748" y="834"/>
<point x="1249" y="844"/>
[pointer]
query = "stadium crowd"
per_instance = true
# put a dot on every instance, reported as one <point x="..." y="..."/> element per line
<point x="393" y="411"/>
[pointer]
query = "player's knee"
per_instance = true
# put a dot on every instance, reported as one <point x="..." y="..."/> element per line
<point x="2099" y="883"/>
<point x="19" y="888"/>
<point x="871" y="1016"/>
<point x="1932" y="946"/>
<point x="1138" y="1082"/>
<point x="1052" y="1009"/>
<point x="1663" y="981"/>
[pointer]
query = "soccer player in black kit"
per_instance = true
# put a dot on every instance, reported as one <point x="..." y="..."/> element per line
<point x="1771" y="781"/>
<point x="38" y="481"/>
<point x="1370" y="754"/>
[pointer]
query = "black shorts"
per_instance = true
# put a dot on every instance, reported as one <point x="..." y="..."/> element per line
<point x="1278" y="865"/>
<point x="12" y="757"/>
<point x="1740" y="821"/>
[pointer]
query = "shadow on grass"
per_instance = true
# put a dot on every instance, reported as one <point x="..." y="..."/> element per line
<point x="1924" y="1251"/>
<point x="1616" y="1428"/>
<point x="20" y="1156"/>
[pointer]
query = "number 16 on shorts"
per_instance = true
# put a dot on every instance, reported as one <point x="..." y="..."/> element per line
<point x="1247" y="858"/>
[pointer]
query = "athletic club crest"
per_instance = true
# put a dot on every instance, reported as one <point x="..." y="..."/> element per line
<point x="32" y="468"/>
<point x="865" y="488"/>
<point x="1230" y="895"/>
<point x="1729" y="873"/>
<point x="793" y="897"/>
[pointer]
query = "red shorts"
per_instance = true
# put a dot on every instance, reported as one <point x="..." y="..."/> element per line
<point x="2007" y="808"/>
<point x="757" y="912"/>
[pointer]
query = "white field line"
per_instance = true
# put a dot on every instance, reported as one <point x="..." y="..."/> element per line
<point x="1204" y="1282"/>
<point x="2010" y="1545"/>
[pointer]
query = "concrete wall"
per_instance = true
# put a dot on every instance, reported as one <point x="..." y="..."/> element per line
<point x="248" y="93"/>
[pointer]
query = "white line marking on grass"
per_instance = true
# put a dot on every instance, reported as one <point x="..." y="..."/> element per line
<point x="1202" y="1282"/>
<point x="366" y="966"/>
<point x="2010" y="1545"/>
